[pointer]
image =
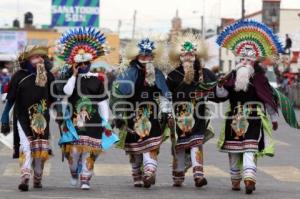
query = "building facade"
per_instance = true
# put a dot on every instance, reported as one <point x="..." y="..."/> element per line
<point x="49" y="37"/>
<point x="282" y="21"/>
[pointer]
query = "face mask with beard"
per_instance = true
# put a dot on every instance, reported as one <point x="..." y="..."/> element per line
<point x="243" y="75"/>
<point x="41" y="75"/>
<point x="150" y="72"/>
<point x="188" y="67"/>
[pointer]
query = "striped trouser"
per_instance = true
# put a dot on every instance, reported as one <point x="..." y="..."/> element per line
<point x="196" y="154"/>
<point x="143" y="165"/>
<point x="27" y="163"/>
<point x="245" y="160"/>
<point x="81" y="165"/>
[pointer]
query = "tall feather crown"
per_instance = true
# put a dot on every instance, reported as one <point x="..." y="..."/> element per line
<point x="249" y="38"/>
<point x="81" y="45"/>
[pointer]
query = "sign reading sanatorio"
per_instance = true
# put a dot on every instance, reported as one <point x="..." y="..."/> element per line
<point x="70" y="13"/>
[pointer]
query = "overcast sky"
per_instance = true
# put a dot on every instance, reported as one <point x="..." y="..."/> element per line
<point x="152" y="15"/>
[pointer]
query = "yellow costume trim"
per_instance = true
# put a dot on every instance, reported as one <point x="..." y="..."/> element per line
<point x="68" y="148"/>
<point x="44" y="155"/>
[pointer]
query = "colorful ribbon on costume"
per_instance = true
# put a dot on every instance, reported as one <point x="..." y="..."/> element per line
<point x="286" y="109"/>
<point x="108" y="137"/>
<point x="70" y="135"/>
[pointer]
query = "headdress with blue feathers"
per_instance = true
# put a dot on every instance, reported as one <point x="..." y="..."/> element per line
<point x="249" y="38"/>
<point x="81" y="45"/>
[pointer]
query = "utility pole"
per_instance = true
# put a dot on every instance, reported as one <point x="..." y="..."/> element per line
<point x="134" y="23"/>
<point x="202" y="27"/>
<point x="119" y="26"/>
<point x="202" y="17"/>
<point x="202" y="20"/>
<point x="243" y="9"/>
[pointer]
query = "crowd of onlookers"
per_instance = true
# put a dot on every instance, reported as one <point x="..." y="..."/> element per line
<point x="289" y="84"/>
<point x="287" y="78"/>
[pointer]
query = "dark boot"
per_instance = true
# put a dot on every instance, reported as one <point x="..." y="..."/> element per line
<point x="250" y="186"/>
<point x="24" y="185"/>
<point x="200" y="182"/>
<point x="37" y="181"/>
<point x="37" y="185"/>
<point x="138" y="184"/>
<point x="236" y="185"/>
<point x="148" y="181"/>
<point x="177" y="184"/>
<point x="178" y="178"/>
<point x="137" y="179"/>
<point x="5" y="128"/>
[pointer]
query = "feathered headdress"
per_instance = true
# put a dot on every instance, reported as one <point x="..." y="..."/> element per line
<point x="185" y="43"/>
<point x="249" y="38"/>
<point x="41" y="73"/>
<point x="81" y="45"/>
<point x="144" y="46"/>
<point x="32" y="50"/>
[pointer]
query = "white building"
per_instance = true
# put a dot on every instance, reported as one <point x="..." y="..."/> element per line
<point x="284" y="21"/>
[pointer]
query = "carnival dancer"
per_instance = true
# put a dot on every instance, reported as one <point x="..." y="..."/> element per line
<point x="247" y="133"/>
<point x="186" y="54"/>
<point x="87" y="107"/>
<point x="5" y="126"/>
<point x="31" y="114"/>
<point x="142" y="86"/>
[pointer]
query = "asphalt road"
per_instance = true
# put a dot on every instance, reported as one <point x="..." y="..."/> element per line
<point x="278" y="177"/>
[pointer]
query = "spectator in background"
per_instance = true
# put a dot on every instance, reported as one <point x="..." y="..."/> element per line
<point x="4" y="79"/>
<point x="288" y="44"/>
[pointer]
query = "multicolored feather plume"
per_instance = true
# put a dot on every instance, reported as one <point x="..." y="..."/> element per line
<point x="81" y="45"/>
<point x="249" y="38"/>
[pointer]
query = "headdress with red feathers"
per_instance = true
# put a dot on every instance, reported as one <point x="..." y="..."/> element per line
<point x="81" y="45"/>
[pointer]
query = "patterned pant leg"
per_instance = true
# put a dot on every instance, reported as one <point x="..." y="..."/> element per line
<point x="25" y="155"/>
<point x="74" y="160"/>
<point x="38" y="168"/>
<point x="197" y="161"/>
<point x="249" y="166"/>
<point x="179" y="167"/>
<point x="136" y="162"/>
<point x="88" y="161"/>
<point x="150" y="163"/>
<point x="235" y="170"/>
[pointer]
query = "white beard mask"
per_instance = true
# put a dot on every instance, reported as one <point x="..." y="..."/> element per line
<point x="243" y="75"/>
<point x="150" y="74"/>
<point x="189" y="72"/>
<point x="41" y="75"/>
